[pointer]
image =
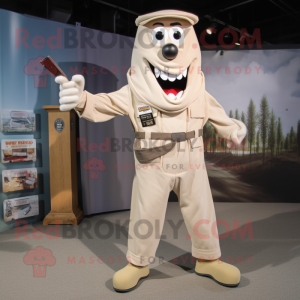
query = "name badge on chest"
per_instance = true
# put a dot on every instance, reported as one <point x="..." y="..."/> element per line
<point x="146" y="115"/>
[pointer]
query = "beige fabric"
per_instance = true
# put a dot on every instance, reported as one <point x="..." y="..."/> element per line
<point x="182" y="168"/>
<point x="143" y="83"/>
<point x="151" y="188"/>
<point x="241" y="132"/>
<point x="128" y="277"/>
<point x="103" y="107"/>
<point x="222" y="272"/>
<point x="170" y="13"/>
<point x="215" y="113"/>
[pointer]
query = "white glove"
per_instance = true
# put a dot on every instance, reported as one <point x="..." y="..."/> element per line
<point x="70" y="91"/>
<point x="238" y="135"/>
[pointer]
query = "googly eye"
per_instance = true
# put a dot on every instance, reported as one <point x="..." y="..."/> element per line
<point x="176" y="35"/>
<point x="159" y="36"/>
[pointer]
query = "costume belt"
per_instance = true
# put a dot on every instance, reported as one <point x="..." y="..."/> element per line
<point x="146" y="155"/>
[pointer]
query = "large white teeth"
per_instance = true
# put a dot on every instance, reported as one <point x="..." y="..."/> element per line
<point x="157" y="72"/>
<point x="179" y="95"/>
<point x="171" y="96"/>
<point x="175" y="98"/>
<point x="164" y="76"/>
<point x="172" y="77"/>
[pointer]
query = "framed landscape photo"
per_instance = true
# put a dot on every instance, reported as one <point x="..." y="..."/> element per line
<point x="17" y="120"/>
<point x="19" y="208"/>
<point x="19" y="179"/>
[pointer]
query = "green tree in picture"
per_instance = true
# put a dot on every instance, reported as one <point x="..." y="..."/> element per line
<point x="272" y="134"/>
<point x="293" y="138"/>
<point x="251" y="124"/>
<point x="230" y="116"/>
<point x="264" y="117"/>
<point x="214" y="140"/>
<point x="243" y="119"/>
<point x="282" y="144"/>
<point x="257" y="141"/>
<point x="279" y="136"/>
<point x="287" y="142"/>
<point x="206" y="135"/>
<point x="237" y="115"/>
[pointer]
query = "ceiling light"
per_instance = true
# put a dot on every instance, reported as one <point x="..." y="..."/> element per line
<point x="211" y="28"/>
<point x="241" y="39"/>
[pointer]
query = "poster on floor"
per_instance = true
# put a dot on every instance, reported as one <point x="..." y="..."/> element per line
<point x="19" y="179"/>
<point x="20" y="208"/>
<point x="17" y="120"/>
<point x="18" y="150"/>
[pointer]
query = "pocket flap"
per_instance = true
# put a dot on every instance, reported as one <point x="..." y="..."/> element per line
<point x="196" y="110"/>
<point x="196" y="142"/>
<point x="196" y="114"/>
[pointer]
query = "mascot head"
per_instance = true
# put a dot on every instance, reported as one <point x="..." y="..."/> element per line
<point x="166" y="60"/>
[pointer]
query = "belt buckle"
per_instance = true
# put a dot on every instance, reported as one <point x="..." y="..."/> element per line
<point x="178" y="137"/>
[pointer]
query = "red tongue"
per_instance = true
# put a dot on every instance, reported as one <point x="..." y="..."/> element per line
<point x="172" y="91"/>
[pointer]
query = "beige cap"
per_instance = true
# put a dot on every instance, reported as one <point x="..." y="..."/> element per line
<point x="168" y="13"/>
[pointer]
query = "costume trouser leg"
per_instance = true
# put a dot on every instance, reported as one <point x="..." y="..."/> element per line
<point x="197" y="207"/>
<point x="150" y="192"/>
<point x="151" y="188"/>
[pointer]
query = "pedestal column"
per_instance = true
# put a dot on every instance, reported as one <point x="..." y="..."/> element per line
<point x="63" y="167"/>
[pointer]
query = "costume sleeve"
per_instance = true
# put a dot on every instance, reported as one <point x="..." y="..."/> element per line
<point x="222" y="124"/>
<point x="103" y="107"/>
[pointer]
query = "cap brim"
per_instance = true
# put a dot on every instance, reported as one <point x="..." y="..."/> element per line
<point x="144" y="19"/>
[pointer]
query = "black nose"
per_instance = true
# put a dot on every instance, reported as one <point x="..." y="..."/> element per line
<point x="169" y="51"/>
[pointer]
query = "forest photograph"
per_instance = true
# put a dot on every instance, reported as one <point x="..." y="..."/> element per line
<point x="265" y="167"/>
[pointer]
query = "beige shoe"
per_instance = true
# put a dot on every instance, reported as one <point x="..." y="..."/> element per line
<point x="221" y="272"/>
<point x="127" y="278"/>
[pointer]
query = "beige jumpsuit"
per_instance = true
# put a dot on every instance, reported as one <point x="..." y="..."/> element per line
<point x="181" y="170"/>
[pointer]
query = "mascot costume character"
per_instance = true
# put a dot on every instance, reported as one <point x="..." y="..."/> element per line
<point x="167" y="105"/>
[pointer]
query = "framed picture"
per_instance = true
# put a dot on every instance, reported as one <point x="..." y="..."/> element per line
<point x="19" y="179"/>
<point x="18" y="150"/>
<point x="20" y="208"/>
<point x="17" y="120"/>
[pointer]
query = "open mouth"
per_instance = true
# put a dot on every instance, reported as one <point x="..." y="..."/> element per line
<point x="172" y="85"/>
